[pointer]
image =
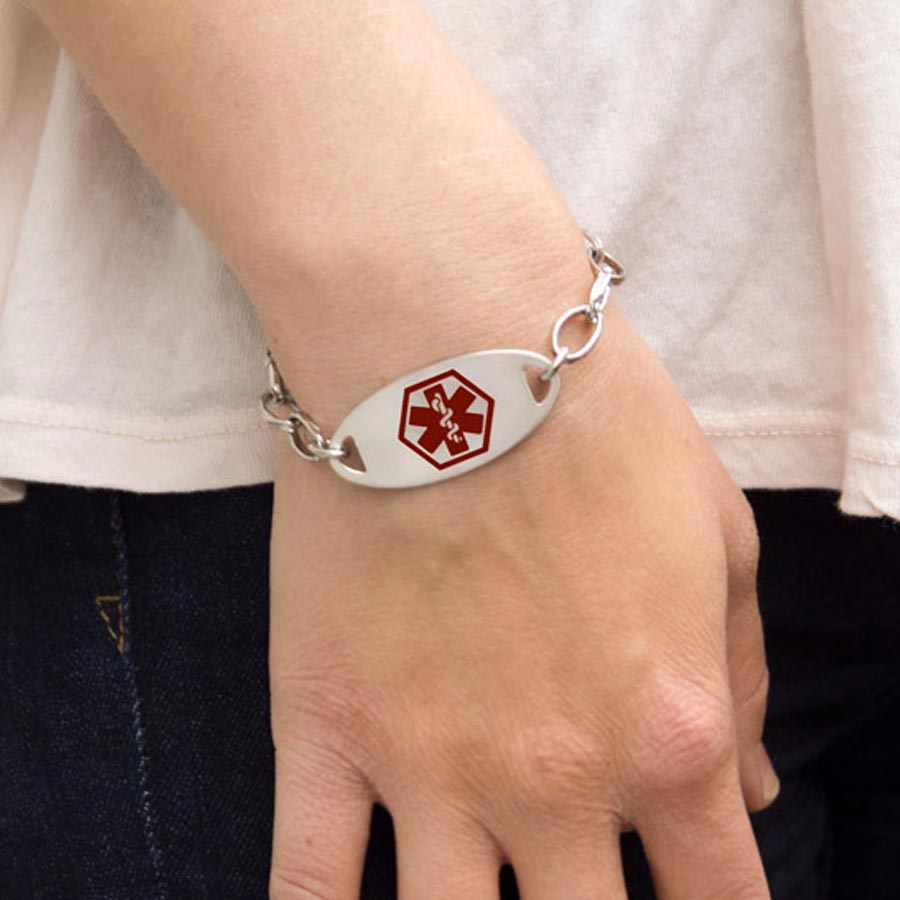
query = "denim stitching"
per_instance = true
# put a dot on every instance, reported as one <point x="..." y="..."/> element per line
<point x="116" y="631"/>
<point x="144" y="806"/>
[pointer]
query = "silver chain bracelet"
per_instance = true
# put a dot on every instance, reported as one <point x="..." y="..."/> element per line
<point x="450" y="417"/>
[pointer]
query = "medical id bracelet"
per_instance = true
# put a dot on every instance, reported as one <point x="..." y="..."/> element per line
<point x="449" y="417"/>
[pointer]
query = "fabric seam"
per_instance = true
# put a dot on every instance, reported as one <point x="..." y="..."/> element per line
<point x="15" y="404"/>
<point x="875" y="460"/>
<point x="786" y="432"/>
<point x="144" y="798"/>
<point x="776" y="432"/>
<point x="159" y="438"/>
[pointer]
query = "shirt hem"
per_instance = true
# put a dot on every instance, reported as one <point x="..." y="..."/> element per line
<point x="211" y="452"/>
<point x="107" y="458"/>
<point x="865" y="471"/>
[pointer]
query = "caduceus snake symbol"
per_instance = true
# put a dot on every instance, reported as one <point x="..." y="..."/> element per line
<point x="446" y="419"/>
<point x="438" y="405"/>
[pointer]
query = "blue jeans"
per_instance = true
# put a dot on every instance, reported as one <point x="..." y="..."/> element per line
<point x="135" y="752"/>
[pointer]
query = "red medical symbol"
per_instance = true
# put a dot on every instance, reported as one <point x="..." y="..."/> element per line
<point x="446" y="419"/>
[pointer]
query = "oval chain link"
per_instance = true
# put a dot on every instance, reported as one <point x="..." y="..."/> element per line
<point x="310" y="442"/>
<point x="607" y="272"/>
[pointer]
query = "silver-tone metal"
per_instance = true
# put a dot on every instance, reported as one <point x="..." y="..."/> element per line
<point x="282" y="423"/>
<point x="599" y="294"/>
<point x="373" y="426"/>
<point x="305" y="435"/>
<point x="561" y="358"/>
<point x="606" y="271"/>
<point x="366" y="448"/>
<point x="316" y="448"/>
<point x="586" y="311"/>
<point x="599" y="258"/>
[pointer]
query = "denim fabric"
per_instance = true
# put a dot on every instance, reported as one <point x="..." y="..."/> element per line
<point x="135" y="752"/>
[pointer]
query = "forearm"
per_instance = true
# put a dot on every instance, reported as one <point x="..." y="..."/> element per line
<point x="360" y="184"/>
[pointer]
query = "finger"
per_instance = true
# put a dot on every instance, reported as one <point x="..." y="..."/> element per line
<point x="700" y="845"/>
<point x="444" y="860"/>
<point x="571" y="864"/>
<point x="749" y="680"/>
<point x="323" y="808"/>
<point x="747" y="669"/>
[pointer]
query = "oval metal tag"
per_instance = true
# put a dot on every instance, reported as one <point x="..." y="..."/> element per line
<point x="443" y="420"/>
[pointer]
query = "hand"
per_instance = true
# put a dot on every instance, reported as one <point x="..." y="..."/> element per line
<point x="522" y="662"/>
<point x="518" y="662"/>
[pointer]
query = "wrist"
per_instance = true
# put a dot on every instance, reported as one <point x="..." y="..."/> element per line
<point x="456" y="413"/>
<point x="383" y="317"/>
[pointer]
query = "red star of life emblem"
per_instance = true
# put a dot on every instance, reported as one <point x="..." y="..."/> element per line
<point x="446" y="419"/>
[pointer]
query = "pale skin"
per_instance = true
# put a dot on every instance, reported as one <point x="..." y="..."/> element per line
<point x="581" y="652"/>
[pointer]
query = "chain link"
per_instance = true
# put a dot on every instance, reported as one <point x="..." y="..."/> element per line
<point x="607" y="272"/>
<point x="281" y="411"/>
<point x="306" y="436"/>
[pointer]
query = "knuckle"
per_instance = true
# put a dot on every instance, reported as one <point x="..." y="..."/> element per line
<point x="435" y="750"/>
<point x="554" y="762"/>
<point x="685" y="737"/>
<point x="306" y="703"/>
<point x="426" y="738"/>
<point x="309" y="763"/>
<point x="312" y="748"/>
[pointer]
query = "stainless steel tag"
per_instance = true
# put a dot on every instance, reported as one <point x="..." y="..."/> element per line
<point x="444" y="420"/>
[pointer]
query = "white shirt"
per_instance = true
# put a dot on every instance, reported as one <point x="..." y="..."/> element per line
<point x="741" y="157"/>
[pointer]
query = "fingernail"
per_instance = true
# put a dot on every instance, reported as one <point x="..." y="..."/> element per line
<point x="770" y="783"/>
